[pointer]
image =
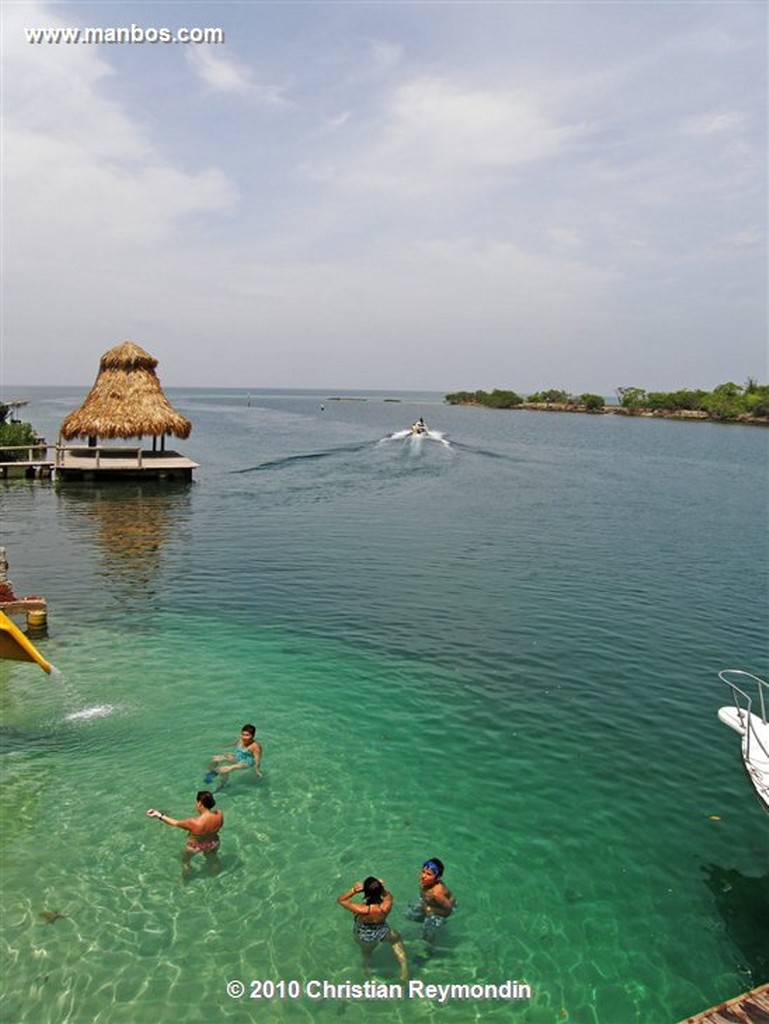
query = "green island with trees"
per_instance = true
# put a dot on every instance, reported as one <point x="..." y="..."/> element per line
<point x="732" y="403"/>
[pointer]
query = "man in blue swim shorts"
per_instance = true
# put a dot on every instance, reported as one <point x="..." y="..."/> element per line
<point x="436" y="903"/>
<point x="248" y="754"/>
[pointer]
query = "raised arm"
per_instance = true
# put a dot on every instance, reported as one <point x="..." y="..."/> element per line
<point x="346" y="900"/>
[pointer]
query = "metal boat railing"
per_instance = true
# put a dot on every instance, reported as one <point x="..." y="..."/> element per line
<point x="745" y="709"/>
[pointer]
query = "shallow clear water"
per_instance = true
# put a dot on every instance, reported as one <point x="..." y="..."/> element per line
<point x="501" y="650"/>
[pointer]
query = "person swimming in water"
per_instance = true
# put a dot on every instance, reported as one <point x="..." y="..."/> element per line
<point x="436" y="902"/>
<point x="370" y="926"/>
<point x="248" y="754"/>
<point x="203" y="832"/>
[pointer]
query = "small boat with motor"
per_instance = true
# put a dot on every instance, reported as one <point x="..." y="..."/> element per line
<point x="415" y="434"/>
<point x="747" y="715"/>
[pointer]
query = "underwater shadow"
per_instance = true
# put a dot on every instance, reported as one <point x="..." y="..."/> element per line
<point x="743" y="903"/>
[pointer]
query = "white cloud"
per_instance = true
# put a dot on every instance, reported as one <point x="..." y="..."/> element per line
<point x="223" y="74"/>
<point x="749" y="238"/>
<point x="82" y="177"/>
<point x="465" y="230"/>
<point x="220" y="73"/>
<point x="339" y="120"/>
<point x="385" y="56"/>
<point x="712" y="41"/>
<point x="564" y="240"/>
<point x="54" y="91"/>
<point x="92" y="212"/>
<point x="436" y="134"/>
<point x="369" y="59"/>
<point x="472" y="290"/>
<point x="714" y="123"/>
<point x="58" y="197"/>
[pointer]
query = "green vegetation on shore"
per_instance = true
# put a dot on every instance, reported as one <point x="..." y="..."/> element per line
<point x="747" y="403"/>
<point x="12" y="434"/>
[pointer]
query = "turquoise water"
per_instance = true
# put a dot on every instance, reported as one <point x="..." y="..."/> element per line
<point x="501" y="650"/>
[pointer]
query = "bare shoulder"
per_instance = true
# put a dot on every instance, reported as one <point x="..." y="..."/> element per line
<point x="446" y="892"/>
<point x="211" y="820"/>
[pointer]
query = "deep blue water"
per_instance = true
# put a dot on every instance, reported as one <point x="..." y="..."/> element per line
<point x="499" y="646"/>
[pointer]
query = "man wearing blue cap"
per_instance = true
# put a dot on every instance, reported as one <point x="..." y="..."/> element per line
<point x="436" y="902"/>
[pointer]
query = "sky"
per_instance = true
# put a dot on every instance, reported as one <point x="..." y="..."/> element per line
<point x="362" y="195"/>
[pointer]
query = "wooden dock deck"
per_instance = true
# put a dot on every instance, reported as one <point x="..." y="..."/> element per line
<point x="750" y="1008"/>
<point x="29" y="468"/>
<point x="122" y="463"/>
<point x="100" y="462"/>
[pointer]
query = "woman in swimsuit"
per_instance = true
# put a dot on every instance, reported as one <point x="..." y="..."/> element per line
<point x="248" y="754"/>
<point x="370" y="926"/>
<point x="203" y="832"/>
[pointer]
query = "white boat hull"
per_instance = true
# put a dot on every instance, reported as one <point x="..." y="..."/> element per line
<point x="754" y="733"/>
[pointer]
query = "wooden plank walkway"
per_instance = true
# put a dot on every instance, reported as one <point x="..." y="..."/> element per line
<point x="22" y="605"/>
<point x="101" y="462"/>
<point x="110" y="460"/>
<point x="35" y="468"/>
<point x="750" y="1008"/>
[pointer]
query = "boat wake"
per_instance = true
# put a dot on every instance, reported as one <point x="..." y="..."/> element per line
<point x="407" y="440"/>
<point x="416" y="439"/>
<point x="292" y="460"/>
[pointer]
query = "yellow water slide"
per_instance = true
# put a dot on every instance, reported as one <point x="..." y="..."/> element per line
<point x="16" y="645"/>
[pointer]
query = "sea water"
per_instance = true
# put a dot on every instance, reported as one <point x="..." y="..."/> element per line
<point x="497" y="645"/>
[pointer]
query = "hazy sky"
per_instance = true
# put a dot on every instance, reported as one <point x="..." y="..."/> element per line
<point x="390" y="195"/>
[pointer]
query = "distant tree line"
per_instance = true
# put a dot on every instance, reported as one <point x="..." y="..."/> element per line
<point x="726" y="402"/>
<point x="497" y="399"/>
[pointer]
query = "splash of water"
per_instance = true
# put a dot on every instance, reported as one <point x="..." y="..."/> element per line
<point x="409" y="435"/>
<point x="85" y="714"/>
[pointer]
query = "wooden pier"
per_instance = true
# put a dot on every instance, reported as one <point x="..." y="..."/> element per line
<point x="750" y="1008"/>
<point x="96" y="462"/>
<point x="30" y="460"/>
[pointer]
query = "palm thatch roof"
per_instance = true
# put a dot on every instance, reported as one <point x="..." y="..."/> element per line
<point x="126" y="400"/>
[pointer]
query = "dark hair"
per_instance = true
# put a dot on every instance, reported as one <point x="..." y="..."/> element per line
<point x="249" y="728"/>
<point x="206" y="797"/>
<point x="373" y="890"/>
<point x="435" y="865"/>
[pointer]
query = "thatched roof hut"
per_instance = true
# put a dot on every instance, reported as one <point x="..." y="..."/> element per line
<point x="126" y="400"/>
